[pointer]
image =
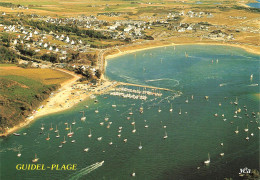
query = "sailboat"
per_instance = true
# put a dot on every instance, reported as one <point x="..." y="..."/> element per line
<point x="134" y="130"/>
<point x="60" y="146"/>
<point x="74" y="122"/>
<point x="133" y="174"/>
<point x="165" y="136"/>
<point x="180" y="112"/>
<point x="99" y="138"/>
<point x="187" y="100"/>
<point x="159" y="110"/>
<point x="131" y="112"/>
<point x="86" y="149"/>
<point x="207" y="161"/>
<point x="19" y="154"/>
<point x="48" y="138"/>
<point x="106" y="118"/>
<point x="236" y="102"/>
<point x="110" y="143"/>
<point x="246" y="129"/>
<point x="51" y="127"/>
<point x="140" y="146"/>
<point x="114" y="105"/>
<point x="96" y="111"/>
<point x="70" y="134"/>
<point x="67" y="128"/>
<point x="57" y="136"/>
<point x="90" y="135"/>
<point x="236" y="131"/>
<point x="146" y="126"/>
<point x="56" y="129"/>
<point x="63" y="142"/>
<point x="35" y="159"/>
<point x="42" y="128"/>
<point x="171" y="108"/>
<point x="247" y="138"/>
<point x="125" y="140"/>
<point x="141" y="110"/>
<point x="222" y="154"/>
<point x="83" y="118"/>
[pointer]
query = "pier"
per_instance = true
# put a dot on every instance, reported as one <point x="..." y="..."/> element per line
<point x="144" y="86"/>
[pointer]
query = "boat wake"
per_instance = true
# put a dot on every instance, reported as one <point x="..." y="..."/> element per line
<point x="85" y="170"/>
<point x="253" y="85"/>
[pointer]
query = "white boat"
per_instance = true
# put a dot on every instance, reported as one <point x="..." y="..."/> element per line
<point x="125" y="140"/>
<point x="119" y="135"/>
<point x="221" y="154"/>
<point x="57" y="136"/>
<point x="74" y="122"/>
<point x="19" y="154"/>
<point x="16" y="134"/>
<point x="73" y="141"/>
<point x="133" y="174"/>
<point x="99" y="138"/>
<point x="252" y="134"/>
<point x="236" y="131"/>
<point x="171" y="108"/>
<point x="120" y="127"/>
<point x="90" y="135"/>
<point x="140" y="146"/>
<point x="110" y="143"/>
<point x="60" y="146"/>
<point x="101" y="124"/>
<point x="96" y="111"/>
<point x="83" y="118"/>
<point x="51" y="128"/>
<point x="246" y="129"/>
<point x="63" y="142"/>
<point x="131" y="112"/>
<point x="146" y="126"/>
<point x="159" y="110"/>
<point x="86" y="149"/>
<point x="42" y="128"/>
<point x="222" y="144"/>
<point x="187" y="100"/>
<point x="134" y="130"/>
<point x="35" y="159"/>
<point x="48" y="138"/>
<point x="247" y="138"/>
<point x="56" y="129"/>
<point x="236" y="102"/>
<point x="165" y="136"/>
<point x="207" y="161"/>
<point x="180" y="112"/>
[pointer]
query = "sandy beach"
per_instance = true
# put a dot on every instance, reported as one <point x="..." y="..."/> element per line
<point x="70" y="94"/>
<point x="122" y="52"/>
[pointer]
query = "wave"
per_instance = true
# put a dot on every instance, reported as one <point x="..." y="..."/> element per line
<point x="85" y="170"/>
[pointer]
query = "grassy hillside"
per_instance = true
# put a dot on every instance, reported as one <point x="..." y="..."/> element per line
<point x="22" y="91"/>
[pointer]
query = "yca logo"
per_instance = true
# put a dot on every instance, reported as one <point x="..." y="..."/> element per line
<point x="245" y="171"/>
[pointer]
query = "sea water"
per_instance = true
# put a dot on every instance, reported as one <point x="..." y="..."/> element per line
<point x="220" y="72"/>
<point x="255" y="5"/>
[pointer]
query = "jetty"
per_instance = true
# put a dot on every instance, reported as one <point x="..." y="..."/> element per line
<point x="144" y="86"/>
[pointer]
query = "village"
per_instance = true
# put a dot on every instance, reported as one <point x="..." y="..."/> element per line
<point x="50" y="39"/>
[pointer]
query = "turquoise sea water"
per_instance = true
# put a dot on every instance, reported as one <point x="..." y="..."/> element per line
<point x="255" y="5"/>
<point x="191" y="135"/>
